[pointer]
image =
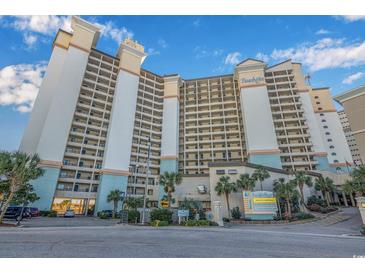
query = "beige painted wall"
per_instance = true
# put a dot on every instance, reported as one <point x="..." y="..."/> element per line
<point x="324" y="98"/>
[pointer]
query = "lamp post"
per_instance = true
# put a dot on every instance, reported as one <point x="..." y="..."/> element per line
<point x="146" y="183"/>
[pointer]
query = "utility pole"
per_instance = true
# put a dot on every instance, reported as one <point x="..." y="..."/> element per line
<point x="146" y="183"/>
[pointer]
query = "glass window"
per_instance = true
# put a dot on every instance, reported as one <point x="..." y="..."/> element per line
<point x="220" y="171"/>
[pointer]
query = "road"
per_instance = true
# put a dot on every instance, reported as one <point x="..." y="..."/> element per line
<point x="306" y="240"/>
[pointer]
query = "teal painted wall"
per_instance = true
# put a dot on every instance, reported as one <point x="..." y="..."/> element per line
<point x="45" y="187"/>
<point x="271" y="160"/>
<point x="107" y="183"/>
<point x="323" y="164"/>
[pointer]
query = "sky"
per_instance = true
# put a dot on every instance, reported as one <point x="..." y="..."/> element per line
<point x="331" y="49"/>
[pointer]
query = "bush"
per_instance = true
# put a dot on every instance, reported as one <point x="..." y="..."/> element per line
<point x="196" y="223"/>
<point x="161" y="215"/>
<point x="159" y="223"/>
<point x="325" y="210"/>
<point x="44" y="213"/>
<point x="211" y="223"/>
<point x="52" y="213"/>
<point x="236" y="214"/>
<point x="226" y="220"/>
<point x="103" y="215"/>
<point x="133" y="216"/>
<point x="314" y="200"/>
<point x="315" y="207"/>
<point x="303" y="216"/>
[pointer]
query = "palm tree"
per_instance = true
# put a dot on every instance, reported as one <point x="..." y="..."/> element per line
<point x="301" y="179"/>
<point x="16" y="169"/>
<point x="357" y="182"/>
<point x="246" y="183"/>
<point x="226" y="187"/>
<point x="325" y="185"/>
<point x="115" y="196"/>
<point x="133" y="202"/>
<point x="287" y="192"/>
<point x="260" y="175"/>
<point x="169" y="180"/>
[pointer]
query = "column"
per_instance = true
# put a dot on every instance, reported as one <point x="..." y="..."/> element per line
<point x="170" y="127"/>
<point x="344" y="199"/>
<point x="64" y="88"/>
<point x="118" y="147"/>
<point x="352" y="200"/>
<point x="261" y="141"/>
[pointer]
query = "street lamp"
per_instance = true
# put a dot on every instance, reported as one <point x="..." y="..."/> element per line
<point x="146" y="183"/>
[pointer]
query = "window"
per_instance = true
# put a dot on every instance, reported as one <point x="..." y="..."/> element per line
<point x="327" y="133"/>
<point x="232" y="171"/>
<point x="220" y="172"/>
<point x="150" y="192"/>
<point x="318" y="103"/>
<point x="332" y="147"/>
<point x="316" y="97"/>
<point x="329" y="140"/>
<point x="325" y="126"/>
<point x="319" y="108"/>
<point x="322" y="114"/>
<point x="335" y="161"/>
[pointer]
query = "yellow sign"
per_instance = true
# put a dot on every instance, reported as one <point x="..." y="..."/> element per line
<point x="363" y="205"/>
<point x="264" y="200"/>
<point x="164" y="203"/>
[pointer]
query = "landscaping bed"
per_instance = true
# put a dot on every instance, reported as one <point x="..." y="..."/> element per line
<point x="7" y="225"/>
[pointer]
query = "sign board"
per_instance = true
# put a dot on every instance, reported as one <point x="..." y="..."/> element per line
<point x="183" y="213"/>
<point x="363" y="205"/>
<point x="164" y="203"/>
<point x="259" y="205"/>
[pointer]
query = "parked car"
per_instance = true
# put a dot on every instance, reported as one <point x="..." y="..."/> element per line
<point x="34" y="211"/>
<point x="69" y="213"/>
<point x="13" y="212"/>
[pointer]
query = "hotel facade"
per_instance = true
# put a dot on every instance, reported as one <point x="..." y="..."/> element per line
<point x="96" y="116"/>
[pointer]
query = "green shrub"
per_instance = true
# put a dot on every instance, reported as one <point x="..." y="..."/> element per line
<point x="303" y="216"/>
<point x="226" y="220"/>
<point x="103" y="215"/>
<point x="196" y="223"/>
<point x="52" y="213"/>
<point x="236" y="214"/>
<point x="133" y="216"/>
<point x="314" y="200"/>
<point x="159" y="223"/>
<point x="325" y="210"/>
<point x="161" y="214"/>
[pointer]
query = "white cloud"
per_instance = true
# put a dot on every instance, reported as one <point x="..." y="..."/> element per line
<point x="325" y="53"/>
<point x="232" y="58"/>
<point x="202" y="52"/>
<point x="351" y="18"/>
<point x="115" y="33"/>
<point x="30" y="40"/>
<point x="152" y="51"/>
<point x="263" y="57"/>
<point x="43" y="24"/>
<point x="353" y="77"/>
<point x="19" y="85"/>
<point x="322" y="31"/>
<point x="162" y="43"/>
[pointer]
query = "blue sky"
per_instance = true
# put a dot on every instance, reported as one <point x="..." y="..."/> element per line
<point x="332" y="50"/>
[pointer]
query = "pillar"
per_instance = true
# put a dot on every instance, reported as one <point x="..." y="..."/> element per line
<point x="344" y="199"/>
<point x="170" y="127"/>
<point x="261" y="141"/>
<point x="352" y="200"/>
<point x="59" y="93"/>
<point x="115" y="170"/>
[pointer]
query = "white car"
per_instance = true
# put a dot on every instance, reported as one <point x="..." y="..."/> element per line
<point x="69" y="213"/>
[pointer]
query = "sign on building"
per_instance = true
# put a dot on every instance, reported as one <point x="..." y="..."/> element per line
<point x="259" y="205"/>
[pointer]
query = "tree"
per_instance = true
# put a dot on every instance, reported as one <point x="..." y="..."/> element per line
<point x="192" y="205"/>
<point x="287" y="192"/>
<point x="246" y="182"/>
<point x="260" y="175"/>
<point x="325" y="185"/>
<point x="133" y="202"/>
<point x="169" y="180"/>
<point x="115" y="196"/>
<point x="301" y="179"/>
<point x="17" y="169"/>
<point x="357" y="182"/>
<point x="226" y="187"/>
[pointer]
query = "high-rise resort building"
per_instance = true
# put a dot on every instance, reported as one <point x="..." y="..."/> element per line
<point x="97" y="115"/>
<point x="350" y="138"/>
